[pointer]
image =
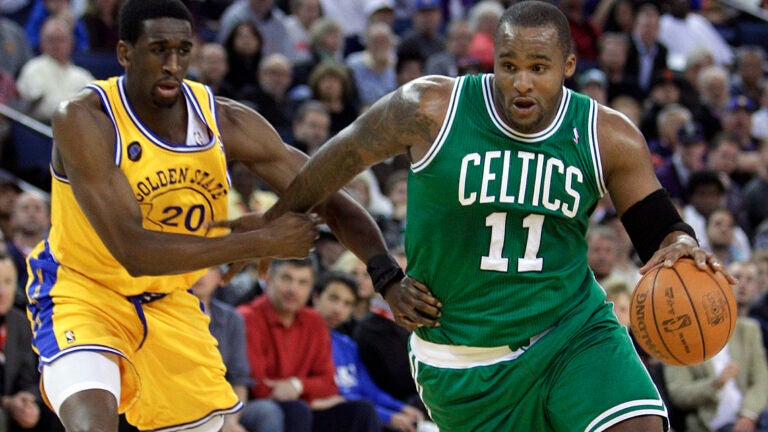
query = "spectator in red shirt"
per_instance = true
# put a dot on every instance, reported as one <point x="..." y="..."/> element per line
<point x="291" y="359"/>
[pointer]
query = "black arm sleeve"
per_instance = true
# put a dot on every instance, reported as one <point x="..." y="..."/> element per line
<point x="649" y="220"/>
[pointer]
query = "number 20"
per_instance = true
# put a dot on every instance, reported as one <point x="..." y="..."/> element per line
<point x="529" y="262"/>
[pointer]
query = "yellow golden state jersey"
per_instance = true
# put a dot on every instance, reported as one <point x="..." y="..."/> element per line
<point x="178" y="186"/>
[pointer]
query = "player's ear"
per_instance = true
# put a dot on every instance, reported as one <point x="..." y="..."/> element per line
<point x="570" y="65"/>
<point x="124" y="51"/>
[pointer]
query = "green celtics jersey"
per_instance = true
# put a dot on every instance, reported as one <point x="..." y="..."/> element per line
<point x="497" y="219"/>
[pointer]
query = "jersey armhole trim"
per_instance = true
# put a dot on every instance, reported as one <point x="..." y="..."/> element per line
<point x="594" y="148"/>
<point x="444" y="129"/>
<point x="108" y="109"/>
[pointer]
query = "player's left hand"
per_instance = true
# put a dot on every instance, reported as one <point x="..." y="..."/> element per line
<point x="413" y="305"/>
<point x="685" y="246"/>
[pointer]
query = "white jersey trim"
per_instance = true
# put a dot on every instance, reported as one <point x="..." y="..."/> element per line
<point x="444" y="129"/>
<point x="95" y="348"/>
<point x="659" y="410"/>
<point x="594" y="148"/>
<point x="519" y="136"/>
<point x="108" y="109"/>
<point x="465" y="357"/>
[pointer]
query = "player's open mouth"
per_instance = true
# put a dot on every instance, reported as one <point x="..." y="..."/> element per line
<point x="524" y="105"/>
<point x="168" y="88"/>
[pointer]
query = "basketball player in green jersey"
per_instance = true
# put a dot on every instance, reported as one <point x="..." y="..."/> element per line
<point x="506" y="170"/>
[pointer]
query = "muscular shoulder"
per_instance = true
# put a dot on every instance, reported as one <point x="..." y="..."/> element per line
<point x="411" y="116"/>
<point x="86" y="105"/>
<point x="240" y="126"/>
<point x="430" y="94"/>
<point x="617" y="136"/>
<point x="71" y="119"/>
<point x="615" y="128"/>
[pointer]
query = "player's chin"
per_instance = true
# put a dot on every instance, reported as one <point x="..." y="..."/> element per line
<point x="164" y="101"/>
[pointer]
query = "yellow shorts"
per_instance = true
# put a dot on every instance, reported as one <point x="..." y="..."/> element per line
<point x="172" y="374"/>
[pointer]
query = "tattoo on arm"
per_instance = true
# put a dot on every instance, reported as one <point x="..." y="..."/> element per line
<point x="390" y="127"/>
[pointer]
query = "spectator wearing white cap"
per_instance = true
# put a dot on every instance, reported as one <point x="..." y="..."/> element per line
<point x="380" y="11"/>
<point x="594" y="83"/>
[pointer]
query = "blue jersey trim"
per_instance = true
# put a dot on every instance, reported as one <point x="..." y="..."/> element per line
<point x="108" y="109"/>
<point x="44" y="274"/>
<point x="160" y="142"/>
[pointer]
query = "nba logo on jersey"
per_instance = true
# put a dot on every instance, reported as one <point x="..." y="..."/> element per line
<point x="575" y="135"/>
<point x="70" y="336"/>
<point x="198" y="138"/>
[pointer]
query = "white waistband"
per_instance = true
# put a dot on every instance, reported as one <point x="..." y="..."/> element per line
<point x="465" y="357"/>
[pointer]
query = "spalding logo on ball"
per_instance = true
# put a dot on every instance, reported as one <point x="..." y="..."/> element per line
<point x="682" y="315"/>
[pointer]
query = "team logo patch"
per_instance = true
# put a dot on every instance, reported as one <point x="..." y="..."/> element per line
<point x="70" y="336"/>
<point x="134" y="151"/>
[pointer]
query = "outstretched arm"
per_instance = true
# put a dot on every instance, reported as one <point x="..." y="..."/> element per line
<point x="249" y="138"/>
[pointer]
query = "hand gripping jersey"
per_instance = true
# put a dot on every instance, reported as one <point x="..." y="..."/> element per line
<point x="179" y="187"/>
<point x="497" y="219"/>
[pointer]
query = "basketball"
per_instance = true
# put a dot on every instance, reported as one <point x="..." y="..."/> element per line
<point x="682" y="315"/>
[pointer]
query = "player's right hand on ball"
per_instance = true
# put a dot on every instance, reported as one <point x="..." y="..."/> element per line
<point x="413" y="304"/>
<point x="292" y="235"/>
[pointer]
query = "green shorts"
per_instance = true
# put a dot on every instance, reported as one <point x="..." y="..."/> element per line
<point x="581" y="375"/>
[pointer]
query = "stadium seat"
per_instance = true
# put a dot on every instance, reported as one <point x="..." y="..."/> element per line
<point x="32" y="155"/>
<point x="102" y="65"/>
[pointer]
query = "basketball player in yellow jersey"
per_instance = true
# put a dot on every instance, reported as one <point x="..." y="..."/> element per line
<point x="139" y="167"/>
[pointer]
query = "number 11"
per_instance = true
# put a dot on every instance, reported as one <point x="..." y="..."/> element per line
<point x="529" y="262"/>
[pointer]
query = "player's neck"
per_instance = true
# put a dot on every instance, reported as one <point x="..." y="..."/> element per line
<point x="169" y="123"/>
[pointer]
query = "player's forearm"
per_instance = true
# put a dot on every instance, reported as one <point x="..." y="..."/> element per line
<point x="155" y="253"/>
<point x="332" y="168"/>
<point x="353" y="226"/>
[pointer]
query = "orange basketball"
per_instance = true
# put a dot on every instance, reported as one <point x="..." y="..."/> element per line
<point x="682" y="315"/>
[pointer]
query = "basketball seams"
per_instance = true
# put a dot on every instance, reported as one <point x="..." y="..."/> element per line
<point x="731" y="317"/>
<point x="695" y="312"/>
<point x="662" y="339"/>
